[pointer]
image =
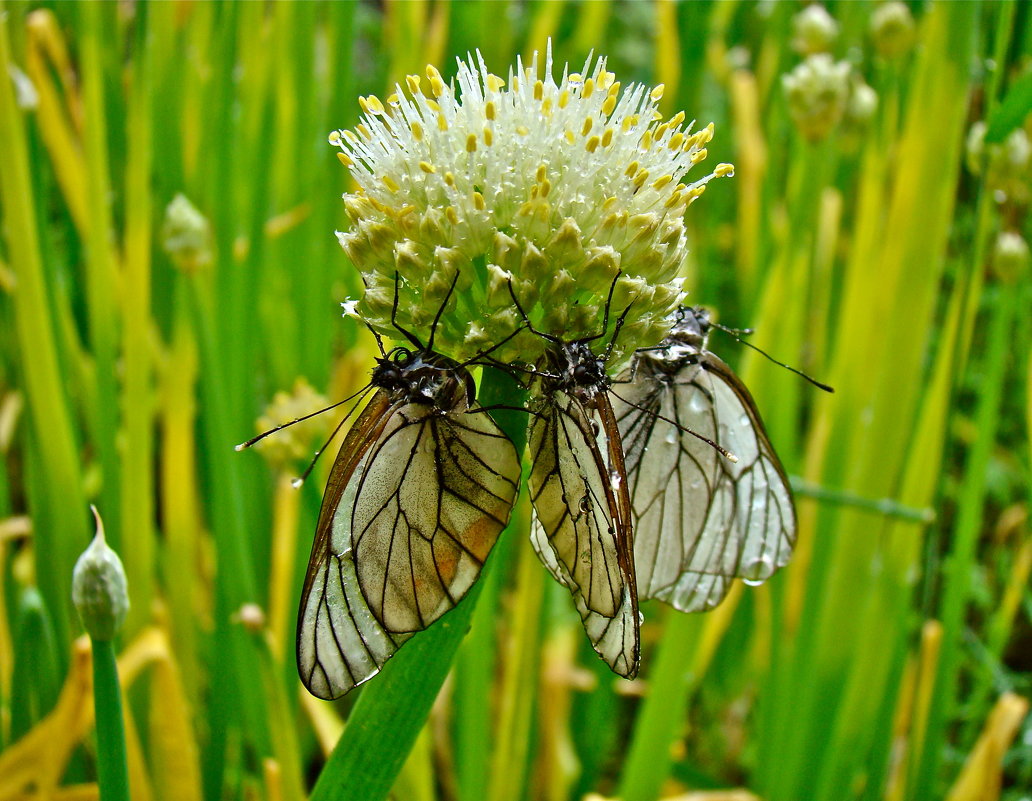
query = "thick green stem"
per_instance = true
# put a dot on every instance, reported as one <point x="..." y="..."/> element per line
<point x="112" y="773"/>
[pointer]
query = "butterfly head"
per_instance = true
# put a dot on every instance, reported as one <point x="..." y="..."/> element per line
<point x="577" y="369"/>
<point x="423" y="377"/>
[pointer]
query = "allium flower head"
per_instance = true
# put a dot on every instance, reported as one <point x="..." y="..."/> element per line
<point x="556" y="186"/>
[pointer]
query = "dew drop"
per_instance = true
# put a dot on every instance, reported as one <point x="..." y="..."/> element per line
<point x="671" y="436"/>
<point x="757" y="570"/>
<point x="296" y="482"/>
<point x="744" y="421"/>
<point x="615" y="479"/>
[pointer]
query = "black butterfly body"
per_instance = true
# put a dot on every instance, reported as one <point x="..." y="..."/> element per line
<point x="700" y="518"/>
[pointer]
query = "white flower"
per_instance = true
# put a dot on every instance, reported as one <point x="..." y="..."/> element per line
<point x="554" y="186"/>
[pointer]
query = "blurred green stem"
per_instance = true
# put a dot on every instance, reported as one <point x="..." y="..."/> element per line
<point x="112" y="773"/>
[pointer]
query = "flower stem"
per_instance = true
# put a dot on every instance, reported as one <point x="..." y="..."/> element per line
<point x="112" y="773"/>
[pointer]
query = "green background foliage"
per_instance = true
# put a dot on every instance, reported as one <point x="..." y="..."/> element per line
<point x="890" y="660"/>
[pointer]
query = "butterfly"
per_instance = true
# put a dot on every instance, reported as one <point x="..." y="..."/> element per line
<point x="701" y="518"/>
<point x="582" y="527"/>
<point x="422" y="486"/>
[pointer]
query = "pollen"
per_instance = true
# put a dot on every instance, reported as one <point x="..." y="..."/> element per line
<point x="363" y="131"/>
<point x="489" y="110"/>
<point x="592" y="144"/>
<point x="539" y="89"/>
<point x="632" y="168"/>
<point x="452" y="215"/>
<point x="478" y="201"/>
<point x="588" y="89"/>
<point x="564" y="98"/>
<point x="471" y="143"/>
<point x="427" y="167"/>
<point x="607" y="137"/>
<point x="699" y="156"/>
<point x="640" y="179"/>
<point x="334" y="138"/>
<point x="374" y="104"/>
<point x="442" y="123"/>
<point x="417" y="131"/>
<point x="412" y="82"/>
<point x="609" y="105"/>
<point x="675" y="141"/>
<point x="345" y="159"/>
<point x="662" y="181"/>
<point x="494" y="83"/>
<point x="449" y="179"/>
<point x="541" y="172"/>
<point x="586" y="128"/>
<point x="390" y="183"/>
<point x="723" y="170"/>
<point x="657" y="93"/>
<point x="546" y="187"/>
<point x="433" y="105"/>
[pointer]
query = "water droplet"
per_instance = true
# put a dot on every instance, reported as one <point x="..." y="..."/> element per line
<point x="585" y="504"/>
<point x="615" y="479"/>
<point x="671" y="436"/>
<point x="641" y="617"/>
<point x="757" y="570"/>
<point x="744" y="421"/>
<point x="698" y="403"/>
<point x="296" y="482"/>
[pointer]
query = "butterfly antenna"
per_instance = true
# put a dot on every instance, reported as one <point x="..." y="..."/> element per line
<point x="297" y="482"/>
<point x="394" y="315"/>
<point x="440" y="311"/>
<point x="492" y="349"/>
<point x="526" y="318"/>
<point x="264" y="434"/>
<point x="616" y="329"/>
<point x="378" y="338"/>
<point x="605" y="310"/>
<point x="719" y="449"/>
<point x="736" y="333"/>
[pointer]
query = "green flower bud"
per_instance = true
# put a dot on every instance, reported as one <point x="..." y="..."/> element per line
<point x="99" y="588"/>
<point x="892" y="30"/>
<point x="1010" y="257"/>
<point x="813" y="30"/>
<point x="186" y="235"/>
<point x="817" y="91"/>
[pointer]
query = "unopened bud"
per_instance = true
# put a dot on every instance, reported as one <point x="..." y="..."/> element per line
<point x="99" y="588"/>
<point x="186" y="235"/>
<point x="813" y="30"/>
<point x="892" y="29"/>
<point x="1010" y="257"/>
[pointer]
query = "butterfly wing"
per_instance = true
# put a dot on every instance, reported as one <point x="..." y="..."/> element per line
<point x="580" y="531"/>
<point x="701" y="520"/>
<point x="414" y="503"/>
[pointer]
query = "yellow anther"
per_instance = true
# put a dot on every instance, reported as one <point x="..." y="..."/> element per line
<point x="334" y="138"/>
<point x="662" y="181"/>
<point x="539" y="89"/>
<point x="607" y="137"/>
<point x="471" y="143"/>
<point x="674" y="198"/>
<point x="588" y="89"/>
<point x="586" y="128"/>
<point x="514" y="84"/>
<point x="592" y="144"/>
<point x="698" y="156"/>
<point x="609" y="105"/>
<point x="694" y="194"/>
<point x="494" y="83"/>
<point x="575" y="78"/>
<point x="614" y="89"/>
<point x="539" y="176"/>
<point x="374" y="104"/>
<point x="490" y="110"/>
<point x="646" y="141"/>
<point x="405" y="210"/>
<point x="661" y="130"/>
<point x="570" y="137"/>
<point x="453" y="218"/>
<point x="632" y="168"/>
<point x="657" y="93"/>
<point x="534" y="191"/>
<point x="478" y="201"/>
<point x="433" y="105"/>
<point x="393" y="99"/>
<point x="675" y="141"/>
<point x="522" y="130"/>
<point x="345" y="159"/>
<point x="432" y="72"/>
<point x="640" y="179"/>
<point x="546" y="107"/>
<point x="609" y="203"/>
<point x="363" y="130"/>
<point x="427" y="167"/>
<point x="724" y="169"/>
<point x="527" y="209"/>
<point x="437" y="87"/>
<point x="350" y="136"/>
<point x="656" y="116"/>
<point x="677" y="119"/>
<point x="564" y="98"/>
<point x="546" y="187"/>
<point x="417" y="131"/>
<point x="412" y="82"/>
<point x="449" y="179"/>
<point x="363" y="104"/>
<point x="488" y="136"/>
<point x="442" y="123"/>
<point x="390" y="183"/>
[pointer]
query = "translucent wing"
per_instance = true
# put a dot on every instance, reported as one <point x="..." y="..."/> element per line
<point x="699" y="519"/>
<point x="414" y="503"/>
<point x="579" y="528"/>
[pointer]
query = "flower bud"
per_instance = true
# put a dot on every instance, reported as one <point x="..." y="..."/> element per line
<point x="892" y="30"/>
<point x="1010" y="257"/>
<point x="186" y="235"/>
<point x="813" y="30"/>
<point x="99" y="588"/>
<point x="816" y="91"/>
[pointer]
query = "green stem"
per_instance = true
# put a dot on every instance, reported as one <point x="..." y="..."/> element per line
<point x="112" y="770"/>
<point x="392" y="709"/>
